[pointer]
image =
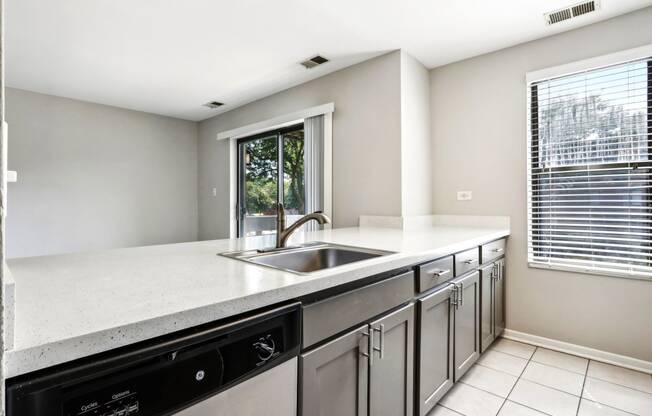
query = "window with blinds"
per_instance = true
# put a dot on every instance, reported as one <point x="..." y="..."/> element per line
<point x="590" y="171"/>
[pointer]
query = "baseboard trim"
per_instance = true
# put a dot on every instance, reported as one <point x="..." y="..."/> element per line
<point x="579" y="350"/>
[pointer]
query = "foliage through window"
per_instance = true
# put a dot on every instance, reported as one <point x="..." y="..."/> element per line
<point x="264" y="181"/>
<point x="590" y="172"/>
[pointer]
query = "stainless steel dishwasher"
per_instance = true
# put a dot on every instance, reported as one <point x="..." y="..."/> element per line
<point x="244" y="367"/>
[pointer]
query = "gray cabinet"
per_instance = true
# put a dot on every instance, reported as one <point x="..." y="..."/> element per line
<point x="492" y="313"/>
<point x="466" y="323"/>
<point x="335" y="314"/>
<point x="367" y="370"/>
<point x="466" y="261"/>
<point x="334" y="377"/>
<point x="435" y="348"/>
<point x="487" y="333"/>
<point x="391" y="369"/>
<point x="493" y="250"/>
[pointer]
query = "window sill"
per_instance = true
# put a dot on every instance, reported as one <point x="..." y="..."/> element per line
<point x="647" y="278"/>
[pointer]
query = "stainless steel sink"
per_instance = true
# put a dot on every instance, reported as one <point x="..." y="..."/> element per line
<point x="307" y="258"/>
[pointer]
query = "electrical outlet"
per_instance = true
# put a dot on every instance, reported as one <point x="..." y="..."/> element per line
<point x="214" y="191"/>
<point x="464" y="195"/>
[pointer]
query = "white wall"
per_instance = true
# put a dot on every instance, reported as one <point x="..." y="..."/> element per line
<point x="366" y="142"/>
<point x="416" y="170"/>
<point x="93" y="177"/>
<point x="478" y="110"/>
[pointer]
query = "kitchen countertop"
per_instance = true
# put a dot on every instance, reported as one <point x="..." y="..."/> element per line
<point x="75" y="305"/>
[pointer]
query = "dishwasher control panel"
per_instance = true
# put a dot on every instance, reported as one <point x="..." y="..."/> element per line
<point x="121" y="403"/>
<point x="165" y="382"/>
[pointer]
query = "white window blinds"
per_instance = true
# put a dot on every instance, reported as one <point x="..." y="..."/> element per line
<point x="590" y="172"/>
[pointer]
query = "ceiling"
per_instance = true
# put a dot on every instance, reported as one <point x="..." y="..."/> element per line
<point x="170" y="56"/>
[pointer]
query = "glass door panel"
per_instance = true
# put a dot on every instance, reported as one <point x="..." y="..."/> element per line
<point x="294" y="189"/>
<point x="270" y="171"/>
<point x="259" y="186"/>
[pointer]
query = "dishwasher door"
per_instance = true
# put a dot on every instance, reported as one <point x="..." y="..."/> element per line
<point x="244" y="366"/>
<point x="271" y="393"/>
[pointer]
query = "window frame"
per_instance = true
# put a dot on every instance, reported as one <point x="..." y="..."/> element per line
<point x="532" y="159"/>
<point x="280" y="192"/>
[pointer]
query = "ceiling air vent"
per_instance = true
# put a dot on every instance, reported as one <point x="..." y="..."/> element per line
<point x="213" y="104"/>
<point x="571" y="11"/>
<point x="583" y="8"/>
<point x="314" y="61"/>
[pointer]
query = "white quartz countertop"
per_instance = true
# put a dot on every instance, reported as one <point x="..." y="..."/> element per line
<point x="75" y="305"/>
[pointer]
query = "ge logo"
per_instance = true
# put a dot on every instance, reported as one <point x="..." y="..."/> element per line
<point x="200" y="375"/>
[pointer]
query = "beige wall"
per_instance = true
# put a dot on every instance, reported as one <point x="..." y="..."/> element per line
<point x="416" y="171"/>
<point x="478" y="109"/>
<point x="92" y="176"/>
<point x="366" y="142"/>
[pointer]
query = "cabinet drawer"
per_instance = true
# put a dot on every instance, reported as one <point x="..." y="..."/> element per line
<point x="434" y="273"/>
<point x="466" y="261"/>
<point x="333" y="315"/>
<point x="493" y="250"/>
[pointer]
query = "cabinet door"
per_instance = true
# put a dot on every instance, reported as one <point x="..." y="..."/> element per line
<point x="391" y="370"/>
<point x="487" y="334"/>
<point x="435" y="349"/>
<point x="335" y="377"/>
<point x="467" y="323"/>
<point x="499" y="298"/>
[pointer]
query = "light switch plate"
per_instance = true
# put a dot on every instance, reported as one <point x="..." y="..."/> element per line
<point x="464" y="195"/>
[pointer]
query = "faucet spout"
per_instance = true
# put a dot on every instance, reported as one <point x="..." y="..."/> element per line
<point x="283" y="234"/>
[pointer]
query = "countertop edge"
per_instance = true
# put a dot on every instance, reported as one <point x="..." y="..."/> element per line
<point x="26" y="360"/>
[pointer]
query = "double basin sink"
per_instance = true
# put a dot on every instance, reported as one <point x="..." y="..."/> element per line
<point x="307" y="258"/>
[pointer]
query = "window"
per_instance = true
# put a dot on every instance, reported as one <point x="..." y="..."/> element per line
<point x="590" y="171"/>
<point x="271" y="171"/>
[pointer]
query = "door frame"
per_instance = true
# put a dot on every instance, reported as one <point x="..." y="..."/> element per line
<point x="227" y="227"/>
<point x="241" y="166"/>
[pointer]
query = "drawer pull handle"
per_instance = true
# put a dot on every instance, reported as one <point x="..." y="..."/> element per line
<point x="381" y="349"/>
<point x="440" y="273"/>
<point x="470" y="261"/>
<point x="461" y="294"/>
<point x="370" y="347"/>
<point x="498" y="250"/>
<point x="454" y="296"/>
<point x="457" y="295"/>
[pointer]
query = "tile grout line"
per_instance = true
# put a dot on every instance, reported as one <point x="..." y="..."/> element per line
<point x="539" y="362"/>
<point x="561" y="368"/>
<point x="520" y="377"/>
<point x="586" y="374"/>
<point x="617" y="384"/>
<point x="551" y="388"/>
<point x="517" y="379"/>
<point x="481" y="389"/>
<point x="439" y="404"/>
<point x="611" y="407"/>
<point x="586" y="377"/>
<point x="508" y="353"/>
<point x="495" y="369"/>
<point x="577" y="356"/>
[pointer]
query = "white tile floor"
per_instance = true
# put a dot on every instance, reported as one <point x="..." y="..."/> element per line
<point x="515" y="379"/>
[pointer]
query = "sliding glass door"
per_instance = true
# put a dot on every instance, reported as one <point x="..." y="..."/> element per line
<point x="270" y="171"/>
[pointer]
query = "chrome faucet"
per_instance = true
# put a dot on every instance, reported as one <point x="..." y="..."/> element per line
<point x="282" y="233"/>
